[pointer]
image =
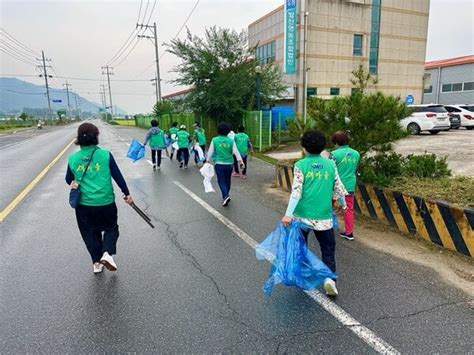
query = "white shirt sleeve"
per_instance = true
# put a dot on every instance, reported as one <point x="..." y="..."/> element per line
<point x="235" y="151"/>
<point x="210" y="152"/>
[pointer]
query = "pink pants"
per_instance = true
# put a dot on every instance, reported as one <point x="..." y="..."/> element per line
<point x="349" y="214"/>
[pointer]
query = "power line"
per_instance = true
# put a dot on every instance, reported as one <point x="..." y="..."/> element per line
<point x="124" y="47"/>
<point x="17" y="51"/>
<point x="19" y="43"/>
<point x="126" y="56"/>
<point x="139" y="11"/>
<point x="146" y="10"/>
<point x="24" y="93"/>
<point x="74" y="78"/>
<point x="151" y="13"/>
<point x="17" y="58"/>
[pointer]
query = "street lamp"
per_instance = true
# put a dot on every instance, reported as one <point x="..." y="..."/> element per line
<point x="258" y="72"/>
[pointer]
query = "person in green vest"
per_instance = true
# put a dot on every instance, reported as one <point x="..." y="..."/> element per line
<point x="315" y="182"/>
<point x="222" y="150"/>
<point x="156" y="137"/>
<point x="243" y="143"/>
<point x="183" y="138"/>
<point x="347" y="161"/>
<point x="200" y="138"/>
<point x="172" y="133"/>
<point x="97" y="212"/>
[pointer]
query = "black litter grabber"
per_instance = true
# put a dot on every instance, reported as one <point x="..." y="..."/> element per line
<point x="142" y="214"/>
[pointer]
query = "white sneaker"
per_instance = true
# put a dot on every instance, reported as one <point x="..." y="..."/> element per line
<point x="330" y="287"/>
<point x="108" y="262"/>
<point x="98" y="267"/>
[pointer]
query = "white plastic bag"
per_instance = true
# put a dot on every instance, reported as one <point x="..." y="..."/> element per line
<point x="198" y="151"/>
<point x="207" y="171"/>
<point x="175" y="146"/>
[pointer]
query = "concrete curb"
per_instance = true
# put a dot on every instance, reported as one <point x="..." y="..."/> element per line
<point x="439" y="222"/>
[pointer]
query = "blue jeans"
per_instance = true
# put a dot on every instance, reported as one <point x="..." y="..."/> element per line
<point x="224" y="176"/>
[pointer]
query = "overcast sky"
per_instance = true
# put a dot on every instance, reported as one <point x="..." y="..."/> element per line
<point x="81" y="36"/>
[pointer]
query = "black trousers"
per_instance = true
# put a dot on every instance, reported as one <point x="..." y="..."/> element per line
<point x="183" y="153"/>
<point x="236" y="165"/>
<point x="156" y="156"/>
<point x="327" y="243"/>
<point x="92" y="222"/>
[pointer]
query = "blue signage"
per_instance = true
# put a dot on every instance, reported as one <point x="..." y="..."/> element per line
<point x="409" y="100"/>
<point x="57" y="100"/>
<point x="290" y="35"/>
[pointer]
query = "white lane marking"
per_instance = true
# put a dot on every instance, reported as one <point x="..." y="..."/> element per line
<point x="149" y="162"/>
<point x="128" y="144"/>
<point x="364" y="333"/>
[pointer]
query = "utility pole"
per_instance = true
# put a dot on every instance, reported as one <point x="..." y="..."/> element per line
<point x="103" y="88"/>
<point x="155" y="81"/>
<point x="45" y="74"/>
<point x="157" y="58"/>
<point x="108" y="72"/>
<point x="68" y="102"/>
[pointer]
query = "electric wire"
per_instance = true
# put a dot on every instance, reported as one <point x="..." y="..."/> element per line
<point x="17" y="51"/>
<point x="19" y="43"/>
<point x="4" y="50"/>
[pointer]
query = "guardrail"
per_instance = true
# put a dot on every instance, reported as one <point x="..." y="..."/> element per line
<point x="437" y="221"/>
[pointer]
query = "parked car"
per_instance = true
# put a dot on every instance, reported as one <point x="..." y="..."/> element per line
<point x="431" y="118"/>
<point x="454" y="120"/>
<point x="465" y="114"/>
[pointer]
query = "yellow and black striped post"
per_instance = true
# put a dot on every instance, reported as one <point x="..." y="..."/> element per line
<point x="439" y="222"/>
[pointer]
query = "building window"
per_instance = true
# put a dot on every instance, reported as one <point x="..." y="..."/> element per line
<point x="311" y="92"/>
<point x="429" y="90"/>
<point x="266" y="53"/>
<point x="447" y="88"/>
<point x="469" y="85"/>
<point x="334" y="91"/>
<point x="374" y="37"/>
<point x="457" y="87"/>
<point x="357" y="45"/>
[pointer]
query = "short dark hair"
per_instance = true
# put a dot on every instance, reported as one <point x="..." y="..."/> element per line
<point x="87" y="135"/>
<point x="154" y="123"/>
<point x="197" y="123"/>
<point x="174" y="124"/>
<point x="340" y="138"/>
<point x="223" y="129"/>
<point x="313" y="141"/>
<point x="241" y="128"/>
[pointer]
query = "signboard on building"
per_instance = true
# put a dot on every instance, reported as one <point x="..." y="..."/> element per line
<point x="409" y="100"/>
<point x="290" y="35"/>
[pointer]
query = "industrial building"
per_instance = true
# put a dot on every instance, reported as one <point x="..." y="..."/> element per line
<point x="333" y="37"/>
<point x="450" y="81"/>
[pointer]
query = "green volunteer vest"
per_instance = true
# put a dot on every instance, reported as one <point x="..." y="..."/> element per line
<point x="242" y="142"/>
<point x="96" y="187"/>
<point x="173" y="130"/>
<point x="347" y="160"/>
<point x="223" y="150"/>
<point x="200" y="136"/>
<point x="318" y="187"/>
<point x="182" y="138"/>
<point x="157" y="140"/>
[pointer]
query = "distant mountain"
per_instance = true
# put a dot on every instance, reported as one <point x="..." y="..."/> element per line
<point x="16" y="95"/>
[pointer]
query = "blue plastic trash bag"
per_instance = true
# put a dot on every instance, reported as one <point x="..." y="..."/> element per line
<point x="335" y="222"/>
<point x="293" y="264"/>
<point x="136" y="151"/>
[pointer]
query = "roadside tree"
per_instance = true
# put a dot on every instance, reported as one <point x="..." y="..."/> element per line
<point x="221" y="69"/>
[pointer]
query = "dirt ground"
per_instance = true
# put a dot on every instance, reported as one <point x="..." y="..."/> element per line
<point x="452" y="267"/>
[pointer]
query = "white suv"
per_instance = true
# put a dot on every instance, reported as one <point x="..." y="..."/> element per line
<point x="431" y="118"/>
<point x="465" y="113"/>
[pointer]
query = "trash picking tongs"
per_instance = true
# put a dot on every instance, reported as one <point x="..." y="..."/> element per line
<point x="142" y="214"/>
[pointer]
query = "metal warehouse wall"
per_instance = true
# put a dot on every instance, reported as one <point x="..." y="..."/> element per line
<point x="449" y="75"/>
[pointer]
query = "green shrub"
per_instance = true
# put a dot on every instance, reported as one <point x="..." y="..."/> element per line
<point x="383" y="168"/>
<point x="426" y="166"/>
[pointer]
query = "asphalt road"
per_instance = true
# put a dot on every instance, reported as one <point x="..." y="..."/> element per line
<point x="191" y="284"/>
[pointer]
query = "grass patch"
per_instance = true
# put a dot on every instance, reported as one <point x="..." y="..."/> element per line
<point x="123" y="122"/>
<point x="265" y="158"/>
<point x="457" y="190"/>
